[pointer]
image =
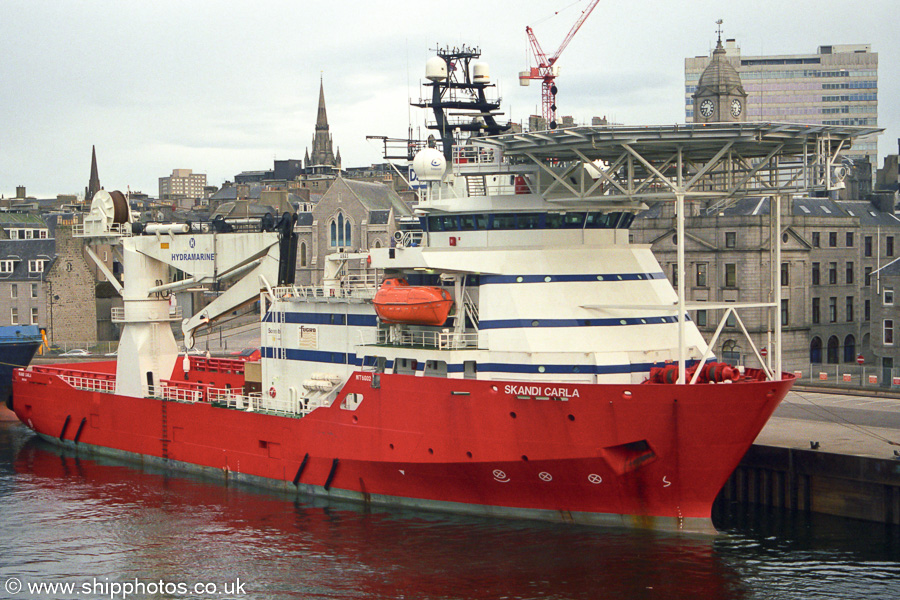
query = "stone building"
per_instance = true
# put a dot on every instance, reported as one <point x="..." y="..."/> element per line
<point x="829" y="251"/>
<point x="70" y="291"/>
<point x="352" y="216"/>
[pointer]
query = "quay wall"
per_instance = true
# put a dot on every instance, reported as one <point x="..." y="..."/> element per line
<point x="856" y="487"/>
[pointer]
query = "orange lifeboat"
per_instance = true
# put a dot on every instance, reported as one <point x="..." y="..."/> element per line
<point x="398" y="302"/>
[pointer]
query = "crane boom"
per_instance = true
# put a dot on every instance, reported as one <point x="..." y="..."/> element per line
<point x="545" y="71"/>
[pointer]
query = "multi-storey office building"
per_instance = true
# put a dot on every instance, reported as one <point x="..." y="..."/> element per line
<point x="838" y="85"/>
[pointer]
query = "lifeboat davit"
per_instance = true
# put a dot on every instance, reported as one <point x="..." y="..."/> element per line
<point x="398" y="302"/>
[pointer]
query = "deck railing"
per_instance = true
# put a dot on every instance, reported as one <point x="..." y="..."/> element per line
<point x="440" y="340"/>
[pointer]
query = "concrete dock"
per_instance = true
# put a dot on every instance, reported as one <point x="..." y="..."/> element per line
<point x="826" y="452"/>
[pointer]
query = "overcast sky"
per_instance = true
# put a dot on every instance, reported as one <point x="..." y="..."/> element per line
<point x="222" y="87"/>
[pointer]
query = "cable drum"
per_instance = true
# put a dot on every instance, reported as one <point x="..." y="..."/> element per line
<point x="120" y="207"/>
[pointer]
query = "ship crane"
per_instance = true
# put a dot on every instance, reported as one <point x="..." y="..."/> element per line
<point x="546" y="69"/>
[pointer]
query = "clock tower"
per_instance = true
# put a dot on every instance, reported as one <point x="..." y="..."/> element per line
<point x="720" y="97"/>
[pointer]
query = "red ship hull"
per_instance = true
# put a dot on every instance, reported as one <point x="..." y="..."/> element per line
<point x="650" y="456"/>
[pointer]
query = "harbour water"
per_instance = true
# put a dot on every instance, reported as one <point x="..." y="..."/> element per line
<point x="112" y="529"/>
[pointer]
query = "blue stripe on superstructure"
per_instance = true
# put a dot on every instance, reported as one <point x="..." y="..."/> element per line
<point x="298" y="318"/>
<point x="520" y="368"/>
<point x="556" y="278"/>
<point x="535" y="323"/>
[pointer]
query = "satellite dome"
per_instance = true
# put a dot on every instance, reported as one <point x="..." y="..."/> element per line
<point x="429" y="165"/>
<point x="436" y="69"/>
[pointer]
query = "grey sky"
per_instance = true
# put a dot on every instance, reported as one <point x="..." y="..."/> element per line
<point x="225" y="86"/>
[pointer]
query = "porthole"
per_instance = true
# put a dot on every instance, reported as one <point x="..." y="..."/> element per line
<point x="519" y="279"/>
<point x="541" y="369"/>
<point x="571" y="417"/>
<point x="547" y="279"/>
<point x="513" y="415"/>
<point x="535" y="323"/>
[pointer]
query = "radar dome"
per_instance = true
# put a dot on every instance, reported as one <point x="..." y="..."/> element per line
<point x="436" y="69"/>
<point x="481" y="73"/>
<point x="429" y="165"/>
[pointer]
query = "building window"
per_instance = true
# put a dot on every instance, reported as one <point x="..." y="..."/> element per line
<point x="868" y="276"/>
<point x="867" y="244"/>
<point x="815" y="273"/>
<point x="816" y="242"/>
<point x="832" y="310"/>
<point x="833" y="347"/>
<point x="730" y="275"/>
<point x="34" y="315"/>
<point x="785" y="305"/>
<point x="701" y="274"/>
<point x="785" y="274"/>
<point x="730" y="239"/>
<point x="832" y="273"/>
<point x="849" y="308"/>
<point x="34" y="290"/>
<point x="348" y="238"/>
<point x="889" y="245"/>
<point x="36" y="266"/>
<point x="849" y="272"/>
<point x="731" y="321"/>
<point x="332" y="241"/>
<point x="14" y="290"/>
<point x="675" y="275"/>
<point x="832" y="239"/>
<point x="888" y="332"/>
<point x="867" y="310"/>
<point x="7" y="266"/>
<point x="849" y="239"/>
<point x="815" y="350"/>
<point x="816" y="317"/>
<point x="303" y="254"/>
<point x="14" y="316"/>
<point x="849" y="349"/>
<point x="888" y="296"/>
<point x="701" y="318"/>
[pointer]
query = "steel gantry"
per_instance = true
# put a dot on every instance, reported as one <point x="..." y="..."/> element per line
<point x="712" y="164"/>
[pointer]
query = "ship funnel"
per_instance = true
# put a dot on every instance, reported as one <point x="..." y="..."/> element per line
<point x="429" y="165"/>
<point x="436" y="69"/>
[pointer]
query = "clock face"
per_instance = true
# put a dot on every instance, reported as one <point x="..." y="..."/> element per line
<point x="735" y="108"/>
<point x="706" y="108"/>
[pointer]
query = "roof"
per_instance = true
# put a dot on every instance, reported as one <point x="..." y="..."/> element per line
<point x="720" y="76"/>
<point x="867" y="214"/>
<point x="376" y="197"/>
<point x="22" y="251"/>
<point x="21" y="218"/>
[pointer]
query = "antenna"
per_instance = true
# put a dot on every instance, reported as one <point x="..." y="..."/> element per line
<point x="719" y="29"/>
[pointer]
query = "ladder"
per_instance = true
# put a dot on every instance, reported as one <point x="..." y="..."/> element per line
<point x="475" y="185"/>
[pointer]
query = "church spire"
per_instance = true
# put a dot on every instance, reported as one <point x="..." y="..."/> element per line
<point x="322" y="117"/>
<point x="94" y="183"/>
<point x="322" y="153"/>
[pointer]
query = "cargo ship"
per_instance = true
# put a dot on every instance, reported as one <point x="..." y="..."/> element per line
<point x="517" y="356"/>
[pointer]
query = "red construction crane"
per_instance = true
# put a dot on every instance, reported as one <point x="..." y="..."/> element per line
<point x="546" y="70"/>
